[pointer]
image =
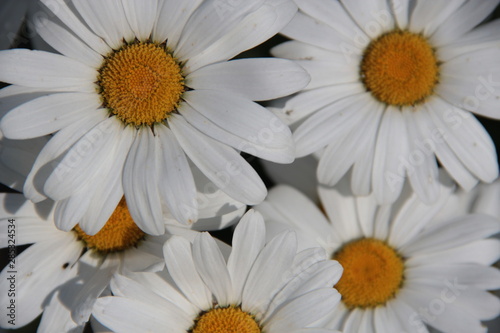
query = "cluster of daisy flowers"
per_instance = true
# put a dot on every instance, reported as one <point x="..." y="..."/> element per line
<point x="130" y="130"/>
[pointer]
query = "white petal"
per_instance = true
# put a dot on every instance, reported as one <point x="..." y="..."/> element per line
<point x="221" y="164"/>
<point x="40" y="269"/>
<point x="67" y="16"/>
<point x="83" y="159"/>
<point x="48" y="114"/>
<point x="141" y="16"/>
<point x="374" y="17"/>
<point x="238" y="122"/>
<point x="339" y="156"/>
<point x="299" y="212"/>
<point x="296" y="50"/>
<point x="428" y="16"/>
<point x="109" y="190"/>
<point x="107" y="19"/>
<point x="414" y="216"/>
<point x="401" y="12"/>
<point x="178" y="188"/>
<point x="212" y="268"/>
<point x="209" y="22"/>
<point x="92" y="284"/>
<point x="256" y="79"/>
<point x="463" y="20"/>
<point x="330" y="124"/>
<point x="69" y="45"/>
<point x="41" y="69"/>
<point x="130" y="316"/>
<point x="467" y="138"/>
<point x="392" y="145"/>
<point x="444" y="153"/>
<point x="172" y="16"/>
<point x="57" y="317"/>
<point x="333" y="71"/>
<point x="248" y="241"/>
<point x="249" y="31"/>
<point x="270" y="266"/>
<point x="450" y="319"/>
<point x="140" y="183"/>
<point x="180" y="264"/>
<point x="340" y="206"/>
<point x="463" y="230"/>
<point x="484" y="252"/>
<point x="55" y="149"/>
<point x="308" y="102"/>
<point x="345" y="37"/>
<point x="304" y="310"/>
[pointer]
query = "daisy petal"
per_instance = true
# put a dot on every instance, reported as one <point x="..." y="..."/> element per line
<point x="462" y="21"/>
<point x="221" y="164"/>
<point x="248" y="241"/>
<point x="252" y="30"/>
<point x="39" y="69"/>
<point x="55" y="149"/>
<point x="83" y="160"/>
<point x="48" y="114"/>
<point x="141" y="16"/>
<point x="130" y="316"/>
<point x="388" y="172"/>
<point x="39" y="272"/>
<point x="240" y="123"/>
<point x="444" y="153"/>
<point x="422" y="169"/>
<point x="426" y="17"/>
<point x="180" y="265"/>
<point x="140" y="183"/>
<point x="484" y="252"/>
<point x="271" y="265"/>
<point x="465" y="229"/>
<point x="373" y="17"/>
<point x="467" y="138"/>
<point x="178" y="189"/>
<point x="212" y="268"/>
<point x="174" y="16"/>
<point x="256" y="79"/>
<point x="67" y="16"/>
<point x="69" y="45"/>
<point x="303" y="311"/>
<point x="107" y="19"/>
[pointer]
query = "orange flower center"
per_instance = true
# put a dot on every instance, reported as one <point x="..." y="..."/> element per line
<point x="373" y="273"/>
<point x="141" y="83"/>
<point x="226" y="320"/>
<point x="118" y="234"/>
<point x="400" y="68"/>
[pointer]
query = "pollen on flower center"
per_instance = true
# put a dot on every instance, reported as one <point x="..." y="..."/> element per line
<point x="225" y="320"/>
<point x="373" y="273"/>
<point x="141" y="83"/>
<point x="118" y="234"/>
<point x="400" y="68"/>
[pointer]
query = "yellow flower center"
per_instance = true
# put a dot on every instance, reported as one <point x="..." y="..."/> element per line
<point x="118" y="234"/>
<point x="373" y="273"/>
<point x="400" y="68"/>
<point x="141" y="83"/>
<point x="226" y="320"/>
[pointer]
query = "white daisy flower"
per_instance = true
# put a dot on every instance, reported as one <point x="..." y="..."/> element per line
<point x="260" y="288"/>
<point x="393" y="85"/>
<point x="63" y="273"/>
<point x="139" y="85"/>
<point x="404" y="267"/>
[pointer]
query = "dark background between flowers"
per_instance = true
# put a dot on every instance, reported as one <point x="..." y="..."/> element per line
<point x="23" y="40"/>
